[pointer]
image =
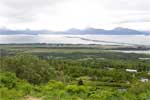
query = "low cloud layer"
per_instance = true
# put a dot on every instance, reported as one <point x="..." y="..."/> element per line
<point x="65" y="14"/>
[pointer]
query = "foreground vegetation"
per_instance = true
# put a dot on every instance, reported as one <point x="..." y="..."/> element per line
<point x="75" y="75"/>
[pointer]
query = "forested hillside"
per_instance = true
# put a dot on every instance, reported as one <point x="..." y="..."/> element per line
<point x="79" y="75"/>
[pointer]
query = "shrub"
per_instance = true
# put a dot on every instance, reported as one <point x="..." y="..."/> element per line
<point x="10" y="94"/>
<point x="76" y="89"/>
<point x="8" y="80"/>
<point x="53" y="85"/>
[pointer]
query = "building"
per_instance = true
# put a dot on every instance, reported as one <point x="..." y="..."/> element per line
<point x="144" y="79"/>
<point x="131" y="70"/>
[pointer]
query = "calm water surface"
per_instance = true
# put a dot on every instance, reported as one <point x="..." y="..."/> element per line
<point x="132" y="39"/>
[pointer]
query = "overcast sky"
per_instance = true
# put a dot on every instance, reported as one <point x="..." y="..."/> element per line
<point x="65" y="14"/>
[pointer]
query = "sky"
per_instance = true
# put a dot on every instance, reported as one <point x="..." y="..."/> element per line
<point x="66" y="14"/>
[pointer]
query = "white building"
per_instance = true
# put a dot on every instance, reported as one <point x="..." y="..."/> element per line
<point x="131" y="70"/>
<point x="144" y="80"/>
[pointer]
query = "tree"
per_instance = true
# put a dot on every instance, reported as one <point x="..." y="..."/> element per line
<point x="29" y="67"/>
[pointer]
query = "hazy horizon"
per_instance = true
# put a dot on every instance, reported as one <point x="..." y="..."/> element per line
<point x="72" y="28"/>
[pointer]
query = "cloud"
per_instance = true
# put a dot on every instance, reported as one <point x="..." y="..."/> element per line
<point x="25" y="10"/>
<point x="138" y="5"/>
<point x="64" y="14"/>
<point x="135" y="21"/>
<point x="133" y="17"/>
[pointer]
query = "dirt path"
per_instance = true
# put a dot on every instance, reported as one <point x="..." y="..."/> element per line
<point x="31" y="98"/>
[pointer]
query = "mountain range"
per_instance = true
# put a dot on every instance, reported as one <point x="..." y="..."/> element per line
<point x="91" y="31"/>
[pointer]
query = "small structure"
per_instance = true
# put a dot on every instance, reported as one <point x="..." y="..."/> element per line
<point x="144" y="58"/>
<point x="144" y="79"/>
<point x="131" y="70"/>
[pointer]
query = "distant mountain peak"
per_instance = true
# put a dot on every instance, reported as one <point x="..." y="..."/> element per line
<point x="74" y="31"/>
<point x="120" y="28"/>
